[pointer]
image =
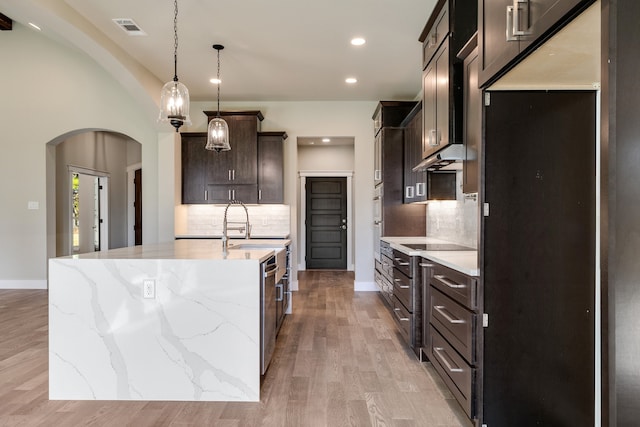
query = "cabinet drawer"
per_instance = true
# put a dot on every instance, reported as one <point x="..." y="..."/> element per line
<point x="462" y="288"/>
<point x="403" y="289"/>
<point x="455" y="372"/>
<point x="455" y="323"/>
<point x="438" y="32"/>
<point x="403" y="318"/>
<point x="404" y="263"/>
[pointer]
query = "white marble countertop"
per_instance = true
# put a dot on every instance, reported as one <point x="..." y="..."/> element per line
<point x="203" y="249"/>
<point x="463" y="261"/>
<point x="255" y="236"/>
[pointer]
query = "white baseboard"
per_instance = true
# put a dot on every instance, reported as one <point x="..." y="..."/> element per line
<point x="365" y="286"/>
<point x="23" y="284"/>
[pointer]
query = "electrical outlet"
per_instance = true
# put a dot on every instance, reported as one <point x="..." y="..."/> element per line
<point x="149" y="288"/>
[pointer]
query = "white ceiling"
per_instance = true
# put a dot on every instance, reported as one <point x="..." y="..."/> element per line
<point x="283" y="50"/>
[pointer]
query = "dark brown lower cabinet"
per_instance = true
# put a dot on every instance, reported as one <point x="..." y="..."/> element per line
<point x="452" y="328"/>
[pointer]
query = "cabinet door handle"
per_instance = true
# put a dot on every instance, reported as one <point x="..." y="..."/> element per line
<point x="259" y="194"/>
<point x="233" y="192"/>
<point x="229" y="174"/>
<point x="513" y="30"/>
<point x="421" y="188"/>
<point x="402" y="319"/>
<point x="449" y="283"/>
<point x="408" y="192"/>
<point x="233" y="174"/>
<point x="441" y="309"/>
<point x="229" y="194"/>
<point x="439" y="352"/>
<point x="206" y="195"/>
<point x="434" y="137"/>
<point x="376" y="175"/>
<point x="279" y="288"/>
<point x="433" y="40"/>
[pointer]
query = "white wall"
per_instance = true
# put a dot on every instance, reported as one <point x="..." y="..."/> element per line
<point x="329" y="158"/>
<point x="52" y="91"/>
<point x="302" y="119"/>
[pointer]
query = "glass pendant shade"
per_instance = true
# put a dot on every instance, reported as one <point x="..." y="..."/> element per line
<point x="218" y="135"/>
<point x="174" y="104"/>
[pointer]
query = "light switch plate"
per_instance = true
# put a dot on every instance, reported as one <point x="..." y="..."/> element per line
<point x="31" y="205"/>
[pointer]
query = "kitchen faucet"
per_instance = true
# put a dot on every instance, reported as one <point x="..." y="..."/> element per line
<point x="225" y="227"/>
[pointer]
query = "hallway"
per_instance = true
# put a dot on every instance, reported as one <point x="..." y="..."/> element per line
<point x="339" y="361"/>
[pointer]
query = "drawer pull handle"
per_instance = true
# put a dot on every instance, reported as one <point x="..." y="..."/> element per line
<point x="449" y="283"/>
<point x="402" y="319"/>
<point x="400" y="262"/>
<point x="440" y="353"/>
<point x="422" y="264"/>
<point x="404" y="287"/>
<point x="443" y="313"/>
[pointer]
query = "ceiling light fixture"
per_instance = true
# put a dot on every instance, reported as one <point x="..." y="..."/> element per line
<point x="34" y="26"/>
<point x="358" y="41"/>
<point x="326" y="140"/>
<point x="174" y="97"/>
<point x="351" y="80"/>
<point x="218" y="130"/>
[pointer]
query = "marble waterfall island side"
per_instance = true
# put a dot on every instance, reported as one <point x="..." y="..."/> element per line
<point x="196" y="339"/>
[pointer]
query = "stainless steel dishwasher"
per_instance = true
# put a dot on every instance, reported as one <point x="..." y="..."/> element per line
<point x="268" y="271"/>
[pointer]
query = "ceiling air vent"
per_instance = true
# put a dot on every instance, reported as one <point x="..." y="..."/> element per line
<point x="129" y="26"/>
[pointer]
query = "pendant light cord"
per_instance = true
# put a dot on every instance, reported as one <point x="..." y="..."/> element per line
<point x="175" y="40"/>
<point x="219" y="82"/>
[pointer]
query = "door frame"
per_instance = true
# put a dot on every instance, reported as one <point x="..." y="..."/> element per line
<point x="131" y="211"/>
<point x="302" y="264"/>
<point x="103" y="180"/>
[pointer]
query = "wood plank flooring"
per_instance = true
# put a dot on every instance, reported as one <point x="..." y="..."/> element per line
<point x="339" y="361"/>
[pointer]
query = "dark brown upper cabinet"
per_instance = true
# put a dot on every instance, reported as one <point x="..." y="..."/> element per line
<point x="271" y="167"/>
<point x="254" y="166"/>
<point x="509" y="29"/>
<point x="386" y="114"/>
<point x="450" y="25"/>
<point x="415" y="183"/>
<point x="472" y="117"/>
<point x="237" y="166"/>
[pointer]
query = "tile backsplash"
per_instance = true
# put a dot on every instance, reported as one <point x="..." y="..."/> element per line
<point x="206" y="220"/>
<point x="454" y="220"/>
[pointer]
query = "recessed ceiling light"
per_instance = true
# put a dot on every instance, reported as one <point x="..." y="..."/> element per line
<point x="351" y="80"/>
<point x="34" y="26"/>
<point x="358" y="41"/>
<point x="326" y="140"/>
<point x="311" y="143"/>
<point x="215" y="81"/>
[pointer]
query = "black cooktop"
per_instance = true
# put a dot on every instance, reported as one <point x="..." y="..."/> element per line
<point x="437" y="247"/>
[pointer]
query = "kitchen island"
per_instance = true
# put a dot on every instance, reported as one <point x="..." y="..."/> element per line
<point x="171" y="321"/>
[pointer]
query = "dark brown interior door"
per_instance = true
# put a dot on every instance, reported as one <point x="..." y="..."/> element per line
<point x="326" y="223"/>
<point x="539" y="259"/>
<point x="137" y="203"/>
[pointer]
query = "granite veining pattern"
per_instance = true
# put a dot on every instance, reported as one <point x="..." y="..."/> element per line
<point x="197" y="340"/>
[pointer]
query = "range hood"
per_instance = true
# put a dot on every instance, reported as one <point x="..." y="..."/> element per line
<point x="444" y="157"/>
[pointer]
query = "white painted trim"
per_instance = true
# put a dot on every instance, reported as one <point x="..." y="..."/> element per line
<point x="23" y="284"/>
<point x="365" y="286"/>
<point x="302" y="265"/>
<point x="293" y="285"/>
<point x="598" y="284"/>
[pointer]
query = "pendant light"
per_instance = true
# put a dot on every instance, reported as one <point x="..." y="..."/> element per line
<point x="218" y="130"/>
<point x="174" y="98"/>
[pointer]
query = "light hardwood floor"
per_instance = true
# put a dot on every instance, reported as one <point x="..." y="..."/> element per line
<point x="339" y="361"/>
